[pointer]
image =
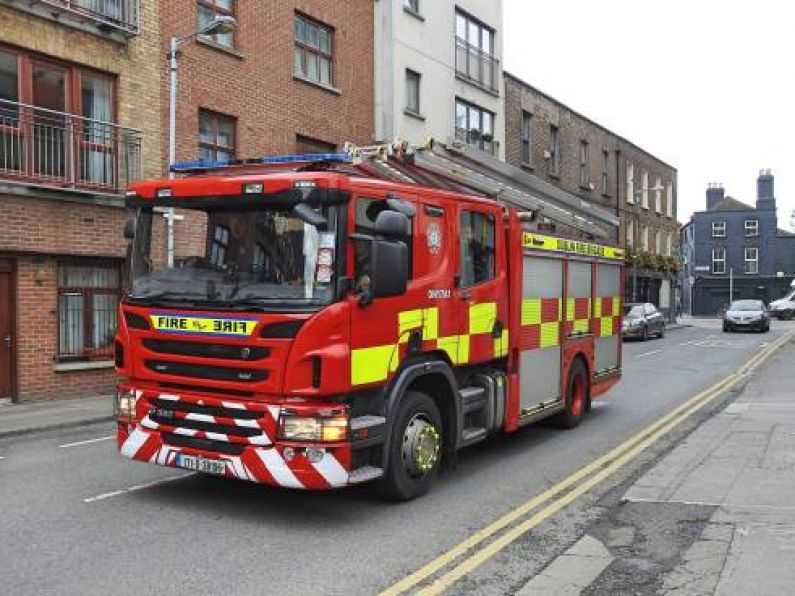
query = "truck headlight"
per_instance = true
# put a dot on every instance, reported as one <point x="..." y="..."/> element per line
<point x="124" y="404"/>
<point x="325" y="429"/>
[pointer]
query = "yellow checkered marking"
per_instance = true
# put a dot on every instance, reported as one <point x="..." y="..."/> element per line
<point x="550" y="334"/>
<point x="579" y="325"/>
<point x="606" y="319"/>
<point x="373" y="364"/>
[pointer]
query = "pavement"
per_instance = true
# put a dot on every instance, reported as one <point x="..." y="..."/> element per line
<point x="76" y="518"/>
<point x="18" y="419"/>
<point x="714" y="516"/>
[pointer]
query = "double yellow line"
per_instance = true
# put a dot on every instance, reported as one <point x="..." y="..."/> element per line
<point x="566" y="491"/>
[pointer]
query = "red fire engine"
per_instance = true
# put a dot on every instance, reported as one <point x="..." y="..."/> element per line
<point x="350" y="317"/>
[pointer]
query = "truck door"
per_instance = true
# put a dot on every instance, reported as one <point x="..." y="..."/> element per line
<point x="481" y="293"/>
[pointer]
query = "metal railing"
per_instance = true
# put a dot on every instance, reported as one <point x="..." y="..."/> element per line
<point x="477" y="139"/>
<point x="475" y="65"/>
<point x="49" y="148"/>
<point x="119" y="14"/>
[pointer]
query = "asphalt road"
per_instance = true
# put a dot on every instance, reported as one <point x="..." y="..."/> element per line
<point x="75" y="518"/>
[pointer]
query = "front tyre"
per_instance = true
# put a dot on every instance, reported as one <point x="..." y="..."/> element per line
<point x="576" y="396"/>
<point x="415" y="448"/>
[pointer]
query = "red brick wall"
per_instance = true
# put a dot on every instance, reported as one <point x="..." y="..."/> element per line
<point x="256" y="85"/>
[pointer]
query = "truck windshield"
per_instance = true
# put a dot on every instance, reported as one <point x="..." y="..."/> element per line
<point x="226" y="258"/>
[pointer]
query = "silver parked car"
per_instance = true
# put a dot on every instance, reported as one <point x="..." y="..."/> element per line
<point x="642" y="320"/>
<point x="746" y="314"/>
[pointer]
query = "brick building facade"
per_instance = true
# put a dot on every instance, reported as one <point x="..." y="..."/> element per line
<point x="551" y="141"/>
<point x="80" y="109"/>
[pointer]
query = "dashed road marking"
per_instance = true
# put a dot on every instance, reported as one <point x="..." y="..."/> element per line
<point x="130" y="489"/>
<point x="649" y="353"/>
<point x="87" y="442"/>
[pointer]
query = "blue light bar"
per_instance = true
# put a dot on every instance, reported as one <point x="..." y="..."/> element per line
<point x="188" y="166"/>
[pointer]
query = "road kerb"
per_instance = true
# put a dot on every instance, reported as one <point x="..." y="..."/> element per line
<point x="602" y="468"/>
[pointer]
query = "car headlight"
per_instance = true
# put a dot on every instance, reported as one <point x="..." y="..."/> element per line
<point x="124" y="404"/>
<point x="325" y="429"/>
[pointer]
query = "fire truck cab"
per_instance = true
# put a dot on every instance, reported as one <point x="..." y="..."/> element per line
<point x="325" y="328"/>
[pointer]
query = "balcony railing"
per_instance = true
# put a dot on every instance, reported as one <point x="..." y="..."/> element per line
<point x="477" y="66"/>
<point x="112" y="15"/>
<point x="47" y="148"/>
<point x="476" y="139"/>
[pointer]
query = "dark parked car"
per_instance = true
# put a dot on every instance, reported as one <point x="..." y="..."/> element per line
<point x="746" y="314"/>
<point x="642" y="320"/>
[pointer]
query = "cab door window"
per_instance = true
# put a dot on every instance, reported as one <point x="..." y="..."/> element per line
<point x="367" y="211"/>
<point x="477" y="248"/>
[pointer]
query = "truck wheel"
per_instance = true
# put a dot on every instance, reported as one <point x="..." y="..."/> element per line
<point x="415" y="448"/>
<point x="576" y="396"/>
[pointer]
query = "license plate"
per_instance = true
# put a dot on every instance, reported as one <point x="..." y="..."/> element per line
<point x="201" y="464"/>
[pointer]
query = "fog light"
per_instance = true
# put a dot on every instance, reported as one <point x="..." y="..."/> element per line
<point x="288" y="453"/>
<point x="164" y="193"/>
<point x="315" y="455"/>
<point x="253" y="188"/>
<point x="124" y="404"/>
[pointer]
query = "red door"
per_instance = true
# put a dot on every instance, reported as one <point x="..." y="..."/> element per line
<point x="6" y="328"/>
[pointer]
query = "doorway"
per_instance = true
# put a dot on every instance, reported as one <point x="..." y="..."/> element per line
<point x="7" y="360"/>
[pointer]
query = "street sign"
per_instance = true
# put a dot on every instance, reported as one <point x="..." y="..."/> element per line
<point x="701" y="268"/>
<point x="691" y="280"/>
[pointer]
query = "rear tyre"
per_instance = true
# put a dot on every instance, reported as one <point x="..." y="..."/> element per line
<point x="577" y="390"/>
<point x="415" y="448"/>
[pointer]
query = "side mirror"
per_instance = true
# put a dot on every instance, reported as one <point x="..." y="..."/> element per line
<point x="308" y="215"/>
<point x="129" y="229"/>
<point x="392" y="225"/>
<point x="390" y="268"/>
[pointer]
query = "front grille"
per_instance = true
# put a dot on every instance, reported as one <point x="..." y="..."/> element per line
<point x="203" y="444"/>
<point x="200" y="371"/>
<point x="188" y="348"/>
<point x="212" y="427"/>
<point x="192" y="408"/>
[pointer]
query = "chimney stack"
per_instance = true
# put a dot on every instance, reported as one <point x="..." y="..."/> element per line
<point x="765" y="197"/>
<point x="715" y="194"/>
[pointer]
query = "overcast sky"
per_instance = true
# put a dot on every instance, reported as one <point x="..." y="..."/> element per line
<point x="705" y="85"/>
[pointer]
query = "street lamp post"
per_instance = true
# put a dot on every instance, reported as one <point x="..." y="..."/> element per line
<point x="219" y="24"/>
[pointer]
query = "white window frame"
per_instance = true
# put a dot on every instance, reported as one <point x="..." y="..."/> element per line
<point x="719" y="258"/>
<point x="718" y="229"/>
<point x="413" y="75"/>
<point x="658" y="194"/>
<point x="751" y="263"/>
<point x="669" y="200"/>
<point x="644" y="188"/>
<point x="644" y="238"/>
<point x="630" y="183"/>
<point x="752" y="230"/>
<point x="668" y="244"/>
<point x="630" y="231"/>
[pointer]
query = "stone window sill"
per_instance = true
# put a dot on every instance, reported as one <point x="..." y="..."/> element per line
<point x="206" y="41"/>
<point x="322" y="86"/>
<point x="413" y="13"/>
<point x="80" y="366"/>
<point x="413" y="114"/>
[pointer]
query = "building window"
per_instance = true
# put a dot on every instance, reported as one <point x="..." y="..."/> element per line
<point x="669" y="200"/>
<point x="630" y="183"/>
<point x="644" y="238"/>
<point x="527" y="138"/>
<point x="309" y="146"/>
<point x="554" y="150"/>
<point x="752" y="227"/>
<point x="585" y="179"/>
<point x="718" y="229"/>
<point x="658" y="195"/>
<point x="216" y="136"/>
<point x="477" y="248"/>
<point x="668" y="244"/>
<point x="474" y="56"/>
<point x="630" y="234"/>
<point x="751" y="260"/>
<point x="719" y="261"/>
<point x="644" y="189"/>
<point x="313" y="50"/>
<point x="658" y="242"/>
<point x="88" y="296"/>
<point x="208" y="10"/>
<point x="605" y="172"/>
<point x="412" y="5"/>
<point x="413" y="92"/>
<point x="219" y="245"/>
<point x="475" y="126"/>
